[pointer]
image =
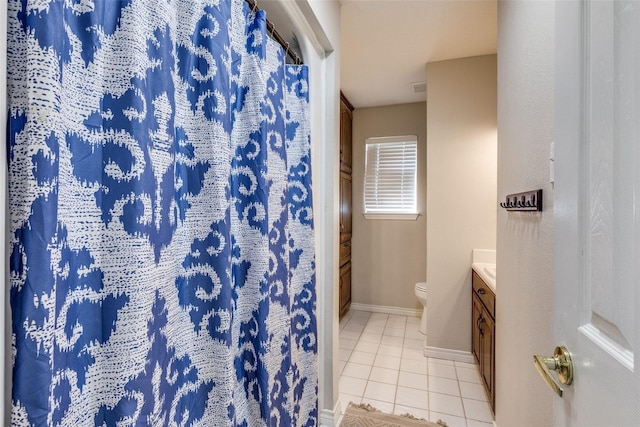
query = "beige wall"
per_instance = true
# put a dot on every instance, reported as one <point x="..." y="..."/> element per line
<point x="388" y="257"/>
<point x="461" y="190"/>
<point x="525" y="240"/>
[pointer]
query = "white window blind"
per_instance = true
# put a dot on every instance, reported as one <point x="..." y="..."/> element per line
<point x="390" y="175"/>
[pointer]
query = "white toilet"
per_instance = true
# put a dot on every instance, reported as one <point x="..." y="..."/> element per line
<point x="421" y="293"/>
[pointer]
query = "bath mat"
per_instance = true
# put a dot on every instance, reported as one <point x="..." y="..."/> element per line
<point x="365" y="415"/>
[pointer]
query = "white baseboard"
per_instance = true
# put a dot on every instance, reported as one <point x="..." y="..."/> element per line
<point x="328" y="417"/>
<point x="445" y="353"/>
<point x="386" y="309"/>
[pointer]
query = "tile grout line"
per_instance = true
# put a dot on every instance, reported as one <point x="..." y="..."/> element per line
<point x="363" y="323"/>
<point x="464" y="410"/>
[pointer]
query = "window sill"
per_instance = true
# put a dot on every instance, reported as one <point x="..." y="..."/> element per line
<point x="393" y="216"/>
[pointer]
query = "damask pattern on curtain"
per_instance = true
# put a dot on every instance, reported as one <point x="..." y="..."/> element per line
<point x="161" y="224"/>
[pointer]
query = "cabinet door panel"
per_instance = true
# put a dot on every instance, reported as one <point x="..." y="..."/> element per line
<point x="345" y="288"/>
<point x="345" y="207"/>
<point x="488" y="346"/>
<point x="346" y="154"/>
<point x="476" y="318"/>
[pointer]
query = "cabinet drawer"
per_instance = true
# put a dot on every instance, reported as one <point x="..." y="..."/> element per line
<point x="345" y="252"/>
<point x="345" y="288"/>
<point x="485" y="294"/>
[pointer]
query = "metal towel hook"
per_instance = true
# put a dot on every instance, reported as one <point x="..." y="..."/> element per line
<point x="527" y="201"/>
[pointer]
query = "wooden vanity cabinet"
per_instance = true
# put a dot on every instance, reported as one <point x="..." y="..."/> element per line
<point x="346" y="202"/>
<point x="483" y="332"/>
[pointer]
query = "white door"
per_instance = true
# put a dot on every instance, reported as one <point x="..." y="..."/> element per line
<point x="597" y="210"/>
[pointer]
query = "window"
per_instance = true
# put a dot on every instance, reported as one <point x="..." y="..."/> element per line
<point x="390" y="177"/>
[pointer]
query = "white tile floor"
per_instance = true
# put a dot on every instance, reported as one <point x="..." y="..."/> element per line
<point x="382" y="363"/>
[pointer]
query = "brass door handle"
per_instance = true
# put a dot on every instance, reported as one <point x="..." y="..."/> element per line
<point x="561" y="363"/>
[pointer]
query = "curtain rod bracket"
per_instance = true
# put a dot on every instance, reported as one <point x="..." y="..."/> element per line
<point x="253" y="4"/>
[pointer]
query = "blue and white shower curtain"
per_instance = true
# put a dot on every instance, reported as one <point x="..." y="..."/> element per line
<point x="161" y="225"/>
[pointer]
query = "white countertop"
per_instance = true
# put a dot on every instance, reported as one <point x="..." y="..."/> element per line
<point x="487" y="272"/>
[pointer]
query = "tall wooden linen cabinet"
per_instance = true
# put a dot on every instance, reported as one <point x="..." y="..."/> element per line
<point x="346" y="118"/>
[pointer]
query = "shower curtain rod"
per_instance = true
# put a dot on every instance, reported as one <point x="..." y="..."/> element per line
<point x="276" y="36"/>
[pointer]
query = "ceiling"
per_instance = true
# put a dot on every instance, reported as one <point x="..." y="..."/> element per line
<point x="386" y="44"/>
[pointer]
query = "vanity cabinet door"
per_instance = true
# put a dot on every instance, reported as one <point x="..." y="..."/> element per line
<point x="476" y="320"/>
<point x="488" y="359"/>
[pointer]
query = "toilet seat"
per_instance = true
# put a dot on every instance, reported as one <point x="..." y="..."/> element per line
<point x="421" y="293"/>
<point x="421" y="287"/>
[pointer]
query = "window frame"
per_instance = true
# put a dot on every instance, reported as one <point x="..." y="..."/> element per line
<point x="392" y="215"/>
